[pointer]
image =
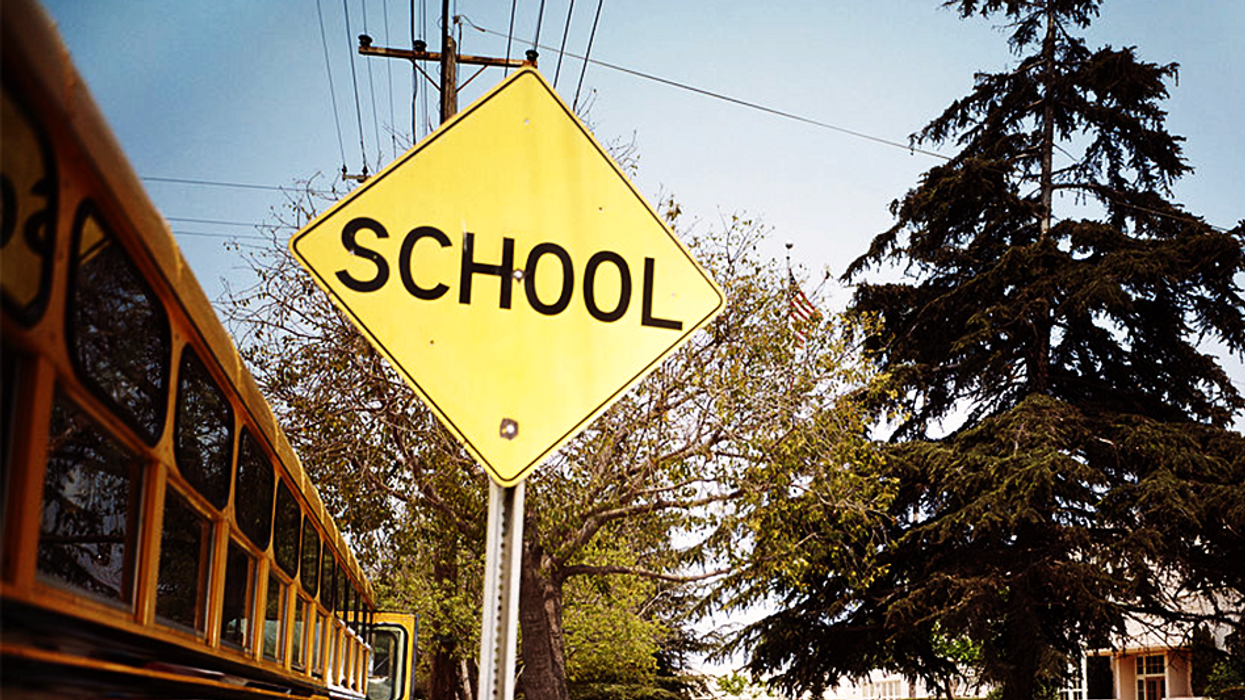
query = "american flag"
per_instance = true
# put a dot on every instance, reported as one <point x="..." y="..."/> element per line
<point x="801" y="311"/>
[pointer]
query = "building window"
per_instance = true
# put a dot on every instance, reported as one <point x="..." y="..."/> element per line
<point x="1074" y="687"/>
<point x="1099" y="678"/>
<point x="1151" y="677"/>
<point x="885" y="690"/>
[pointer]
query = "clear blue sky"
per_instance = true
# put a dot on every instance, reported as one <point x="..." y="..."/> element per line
<point x="236" y="91"/>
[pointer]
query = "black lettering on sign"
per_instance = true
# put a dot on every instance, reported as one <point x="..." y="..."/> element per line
<point x="470" y="267"/>
<point x="607" y="312"/>
<point x="568" y="278"/>
<point x="647" y="318"/>
<point x="624" y="293"/>
<point x="404" y="262"/>
<point x="350" y="242"/>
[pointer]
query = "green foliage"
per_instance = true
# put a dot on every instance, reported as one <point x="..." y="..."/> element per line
<point x="661" y="688"/>
<point x="606" y="641"/>
<point x="734" y="685"/>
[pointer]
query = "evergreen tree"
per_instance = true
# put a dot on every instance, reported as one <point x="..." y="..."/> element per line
<point x="1095" y="474"/>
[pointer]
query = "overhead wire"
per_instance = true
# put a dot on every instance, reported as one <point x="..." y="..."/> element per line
<point x="371" y="87"/>
<point x="226" y="236"/>
<point x="540" y="19"/>
<point x="562" y="49"/>
<point x="393" y="124"/>
<point x="910" y="148"/>
<point x="221" y="222"/>
<point x="425" y="107"/>
<point x="584" y="66"/>
<point x="587" y="59"/>
<point x="509" y="37"/>
<point x="358" y="109"/>
<point x="233" y="185"/>
<point x="332" y="93"/>
<point x="415" y="80"/>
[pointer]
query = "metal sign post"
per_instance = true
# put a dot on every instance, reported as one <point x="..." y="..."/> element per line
<point x="503" y="554"/>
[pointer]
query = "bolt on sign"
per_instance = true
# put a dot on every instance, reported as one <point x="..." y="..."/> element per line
<point x="512" y="274"/>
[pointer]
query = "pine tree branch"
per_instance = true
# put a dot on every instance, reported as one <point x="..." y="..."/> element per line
<point x="588" y="570"/>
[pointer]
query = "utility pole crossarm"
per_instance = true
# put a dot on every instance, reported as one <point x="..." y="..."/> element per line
<point x="366" y="49"/>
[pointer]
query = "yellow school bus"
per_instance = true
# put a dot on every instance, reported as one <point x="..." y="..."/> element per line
<point x="160" y="538"/>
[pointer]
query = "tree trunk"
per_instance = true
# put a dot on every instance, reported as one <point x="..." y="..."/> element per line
<point x="540" y="620"/>
<point x="445" y="681"/>
<point x="1040" y="372"/>
<point x="1021" y="644"/>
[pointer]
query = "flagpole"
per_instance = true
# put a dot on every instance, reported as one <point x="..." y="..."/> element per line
<point x="790" y="319"/>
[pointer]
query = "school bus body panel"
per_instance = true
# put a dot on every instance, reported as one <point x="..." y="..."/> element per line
<point x="134" y="556"/>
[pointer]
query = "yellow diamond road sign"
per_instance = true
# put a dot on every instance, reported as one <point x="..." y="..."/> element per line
<point x="512" y="274"/>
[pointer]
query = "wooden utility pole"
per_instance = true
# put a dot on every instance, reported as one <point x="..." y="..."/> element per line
<point x="449" y="60"/>
<point x="504" y="541"/>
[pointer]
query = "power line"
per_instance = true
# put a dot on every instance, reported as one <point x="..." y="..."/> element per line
<point x="332" y="93"/>
<point x="509" y="37"/>
<point x="562" y="49"/>
<point x="358" y="110"/>
<point x="586" y="59"/>
<point x="371" y="87"/>
<point x="235" y="185"/>
<point x="424" y="107"/>
<point x="584" y="66"/>
<point x="220" y="222"/>
<point x="393" y="124"/>
<point x="540" y="19"/>
<point x="224" y="236"/>
<point x="794" y="117"/>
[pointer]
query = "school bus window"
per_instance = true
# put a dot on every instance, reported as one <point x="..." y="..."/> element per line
<point x="274" y="609"/>
<point x="28" y="213"/>
<point x="317" y="647"/>
<point x="330" y="651"/>
<point x="387" y="660"/>
<point x="204" y="430"/>
<point x="348" y="608"/>
<point x="285" y="531"/>
<point x="334" y="652"/>
<point x="118" y="330"/>
<point x="340" y="602"/>
<point x="239" y="600"/>
<point x="253" y="497"/>
<point x="309" y="572"/>
<point x="89" y="523"/>
<point x="185" y="546"/>
<point x="297" y="652"/>
<point x="328" y="584"/>
<point x="348" y="652"/>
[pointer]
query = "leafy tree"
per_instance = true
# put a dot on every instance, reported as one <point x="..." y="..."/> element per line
<point x="1093" y="474"/>
<point x="690" y="452"/>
